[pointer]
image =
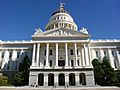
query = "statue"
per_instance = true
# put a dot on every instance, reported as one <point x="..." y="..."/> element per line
<point x="37" y="31"/>
<point x="84" y="30"/>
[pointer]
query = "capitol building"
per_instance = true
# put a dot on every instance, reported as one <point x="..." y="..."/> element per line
<point x="61" y="55"/>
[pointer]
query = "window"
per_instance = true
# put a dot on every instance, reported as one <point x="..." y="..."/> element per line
<point x="77" y="51"/>
<point x="72" y="63"/>
<point x="113" y="53"/>
<point x="50" y="63"/>
<point x="8" y="67"/>
<point x="16" y="64"/>
<point x="45" y="52"/>
<point x="105" y="53"/>
<point x="10" y="55"/>
<point x="71" y="52"/>
<point x="78" y="62"/>
<point x="44" y="62"/>
<point x="97" y="54"/>
<point x="50" y="52"/>
<point x="2" y="54"/>
<point x="18" y="54"/>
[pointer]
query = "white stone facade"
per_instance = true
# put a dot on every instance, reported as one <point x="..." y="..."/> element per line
<point x="60" y="56"/>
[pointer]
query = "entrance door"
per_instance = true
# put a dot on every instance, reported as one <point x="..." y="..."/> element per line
<point x="61" y="62"/>
<point x="50" y="79"/>
<point x="61" y="80"/>
<point x="82" y="79"/>
<point x="72" y="79"/>
<point x="40" y="79"/>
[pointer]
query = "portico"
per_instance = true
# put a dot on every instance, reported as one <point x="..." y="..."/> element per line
<point x="67" y="54"/>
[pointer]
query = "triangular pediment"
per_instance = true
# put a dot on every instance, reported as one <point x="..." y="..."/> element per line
<point x="60" y="32"/>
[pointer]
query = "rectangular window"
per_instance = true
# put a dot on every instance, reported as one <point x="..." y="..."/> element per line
<point x="97" y="54"/>
<point x="105" y="53"/>
<point x="77" y="51"/>
<point x="50" y="52"/>
<point x="10" y="55"/>
<point x="18" y="54"/>
<point x="50" y="63"/>
<point x="2" y="54"/>
<point x="72" y="63"/>
<point x="71" y="52"/>
<point x="78" y="62"/>
<point x="45" y="52"/>
<point x="44" y="62"/>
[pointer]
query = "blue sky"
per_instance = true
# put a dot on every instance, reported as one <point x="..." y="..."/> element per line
<point x="19" y="18"/>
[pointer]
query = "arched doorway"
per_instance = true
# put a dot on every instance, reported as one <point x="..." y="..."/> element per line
<point x="82" y="79"/>
<point x="40" y="79"/>
<point x="50" y="79"/>
<point x="61" y="80"/>
<point x="72" y="79"/>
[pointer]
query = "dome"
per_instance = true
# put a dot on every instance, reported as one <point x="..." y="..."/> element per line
<point x="61" y="18"/>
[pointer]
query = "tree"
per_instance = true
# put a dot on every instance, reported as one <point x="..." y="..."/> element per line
<point x="109" y="74"/>
<point x="98" y="72"/>
<point x="104" y="73"/>
<point x="22" y="77"/>
<point x="4" y="81"/>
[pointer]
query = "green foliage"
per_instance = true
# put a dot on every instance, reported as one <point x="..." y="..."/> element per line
<point x="22" y="77"/>
<point x="4" y="81"/>
<point x="104" y="73"/>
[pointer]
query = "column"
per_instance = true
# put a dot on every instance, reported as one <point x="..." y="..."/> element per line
<point x="75" y="45"/>
<point x="5" y="60"/>
<point x="66" y="54"/>
<point x="56" y="54"/>
<point x="118" y="57"/>
<point x="45" y="79"/>
<point x="86" y="54"/>
<point x="101" y="54"/>
<point x="111" y="58"/>
<point x="55" y="79"/>
<point x="12" y="63"/>
<point x="33" y="55"/>
<point x="47" y="54"/>
<point x="38" y="54"/>
<point x="14" y="55"/>
<point x="77" y="79"/>
<point x="83" y="57"/>
<point x="66" y="79"/>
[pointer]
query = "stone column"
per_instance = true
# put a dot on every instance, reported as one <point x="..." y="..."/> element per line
<point x="77" y="79"/>
<point x="66" y="79"/>
<point x="101" y="54"/>
<point x="33" y="55"/>
<point x="47" y="55"/>
<point x="118" y="57"/>
<point x="55" y="79"/>
<point x="93" y="54"/>
<point x="5" y="60"/>
<point x="12" y="63"/>
<point x="111" y="58"/>
<point x="38" y="54"/>
<point x="86" y="54"/>
<point x="45" y="79"/>
<point x="14" y="55"/>
<point x="56" y="54"/>
<point x="83" y="57"/>
<point x="66" y="54"/>
<point x="75" y="45"/>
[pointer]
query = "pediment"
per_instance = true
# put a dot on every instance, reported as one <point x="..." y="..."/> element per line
<point x="60" y="32"/>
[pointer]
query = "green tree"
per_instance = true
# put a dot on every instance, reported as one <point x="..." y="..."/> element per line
<point x="98" y="72"/>
<point x="103" y="72"/>
<point x="22" y="77"/>
<point x="109" y="74"/>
